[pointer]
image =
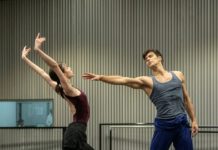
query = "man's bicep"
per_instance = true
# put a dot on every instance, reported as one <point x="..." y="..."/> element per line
<point x="185" y="91"/>
<point x="135" y="82"/>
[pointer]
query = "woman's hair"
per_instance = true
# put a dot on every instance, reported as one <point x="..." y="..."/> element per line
<point x="54" y="76"/>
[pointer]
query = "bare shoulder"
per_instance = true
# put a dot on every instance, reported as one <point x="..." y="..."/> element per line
<point x="144" y="77"/>
<point x="180" y="75"/>
<point x="72" y="91"/>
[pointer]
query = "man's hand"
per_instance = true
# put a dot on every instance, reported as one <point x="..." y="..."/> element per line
<point x="91" y="76"/>
<point x="194" y="128"/>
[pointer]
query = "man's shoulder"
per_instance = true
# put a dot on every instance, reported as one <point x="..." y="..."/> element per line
<point x="146" y="79"/>
<point x="179" y="74"/>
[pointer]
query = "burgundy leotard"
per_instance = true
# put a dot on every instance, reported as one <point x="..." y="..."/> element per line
<point x="81" y="104"/>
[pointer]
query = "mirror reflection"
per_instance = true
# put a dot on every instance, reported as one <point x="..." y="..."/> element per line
<point x="26" y="113"/>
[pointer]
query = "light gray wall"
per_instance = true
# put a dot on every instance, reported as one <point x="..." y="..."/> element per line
<point x="109" y="37"/>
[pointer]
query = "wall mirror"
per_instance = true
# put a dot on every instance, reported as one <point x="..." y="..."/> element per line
<point x="26" y="113"/>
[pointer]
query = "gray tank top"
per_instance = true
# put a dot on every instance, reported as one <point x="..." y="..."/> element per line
<point x="168" y="98"/>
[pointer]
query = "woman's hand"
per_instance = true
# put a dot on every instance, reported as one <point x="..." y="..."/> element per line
<point x="25" y="52"/>
<point x="38" y="42"/>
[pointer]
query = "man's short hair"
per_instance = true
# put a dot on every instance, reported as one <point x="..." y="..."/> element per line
<point x="155" y="51"/>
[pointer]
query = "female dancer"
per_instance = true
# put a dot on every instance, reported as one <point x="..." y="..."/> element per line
<point x="59" y="79"/>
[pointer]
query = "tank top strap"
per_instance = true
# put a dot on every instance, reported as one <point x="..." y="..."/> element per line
<point x="172" y="73"/>
<point x="174" y="76"/>
<point x="154" y="80"/>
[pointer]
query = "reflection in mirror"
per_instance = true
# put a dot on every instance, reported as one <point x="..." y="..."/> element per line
<point x="26" y="113"/>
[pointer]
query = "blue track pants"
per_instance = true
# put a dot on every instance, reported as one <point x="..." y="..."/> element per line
<point x="168" y="131"/>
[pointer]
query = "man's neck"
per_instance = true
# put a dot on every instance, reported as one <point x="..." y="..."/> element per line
<point x="159" y="70"/>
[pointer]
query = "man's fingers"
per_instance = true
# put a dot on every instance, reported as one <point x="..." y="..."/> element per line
<point x="194" y="132"/>
<point x="86" y="75"/>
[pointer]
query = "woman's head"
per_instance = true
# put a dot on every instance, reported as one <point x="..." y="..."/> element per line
<point x="65" y="69"/>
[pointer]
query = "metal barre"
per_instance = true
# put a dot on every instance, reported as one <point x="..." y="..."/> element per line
<point x="139" y="125"/>
<point x="131" y="126"/>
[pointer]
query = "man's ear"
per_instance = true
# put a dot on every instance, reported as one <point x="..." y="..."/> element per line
<point x="159" y="57"/>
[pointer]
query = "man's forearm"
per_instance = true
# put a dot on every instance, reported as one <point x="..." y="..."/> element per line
<point x="190" y="110"/>
<point x="118" y="80"/>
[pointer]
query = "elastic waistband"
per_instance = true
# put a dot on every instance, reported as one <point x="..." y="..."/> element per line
<point x="78" y="123"/>
<point x="180" y="120"/>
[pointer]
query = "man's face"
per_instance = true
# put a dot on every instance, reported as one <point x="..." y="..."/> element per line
<point x="152" y="59"/>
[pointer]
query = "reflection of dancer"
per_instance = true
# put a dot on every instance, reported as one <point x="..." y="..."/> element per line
<point x="167" y="90"/>
<point x="20" y="121"/>
<point x="49" y="119"/>
<point x="59" y="79"/>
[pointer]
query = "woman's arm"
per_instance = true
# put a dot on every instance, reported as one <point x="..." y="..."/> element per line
<point x="37" y="47"/>
<point x="65" y="82"/>
<point x="36" y="68"/>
